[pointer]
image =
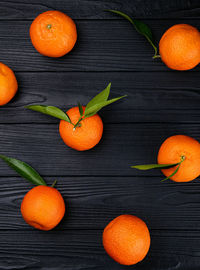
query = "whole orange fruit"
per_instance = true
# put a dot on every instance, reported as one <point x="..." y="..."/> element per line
<point x="179" y="47"/>
<point x="53" y="33"/>
<point x="43" y="207"/>
<point x="84" y="137"/>
<point x="126" y="239"/>
<point x="173" y="150"/>
<point x="8" y="84"/>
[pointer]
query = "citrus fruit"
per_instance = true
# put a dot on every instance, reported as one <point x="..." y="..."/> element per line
<point x="53" y="33"/>
<point x="43" y="207"/>
<point x="179" y="47"/>
<point x="126" y="239"/>
<point x="180" y="147"/>
<point x="8" y="84"/>
<point x="85" y="136"/>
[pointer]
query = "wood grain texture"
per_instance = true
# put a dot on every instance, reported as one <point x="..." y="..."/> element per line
<point x="152" y="96"/>
<point x="102" y="45"/>
<point x="99" y="184"/>
<point x="94" y="9"/>
<point x="91" y="202"/>
<point x="122" y="146"/>
<point x="83" y="250"/>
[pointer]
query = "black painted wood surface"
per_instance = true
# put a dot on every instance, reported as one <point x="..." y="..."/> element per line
<point x="103" y="45"/>
<point x="99" y="185"/>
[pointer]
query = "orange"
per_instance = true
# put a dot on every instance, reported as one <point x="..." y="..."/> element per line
<point x="126" y="239"/>
<point x="179" y="47"/>
<point x="8" y="84"/>
<point x="173" y="149"/>
<point x="43" y="207"/>
<point x="84" y="137"/>
<point x="53" y="33"/>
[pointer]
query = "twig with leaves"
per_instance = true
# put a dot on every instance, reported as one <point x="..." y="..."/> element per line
<point x="160" y="166"/>
<point x="141" y="28"/>
<point x="96" y="104"/>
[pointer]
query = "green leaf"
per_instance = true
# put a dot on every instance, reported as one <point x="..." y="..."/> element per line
<point x="154" y="166"/>
<point x="179" y="164"/>
<point x="80" y="109"/>
<point x="140" y="27"/>
<point x="96" y="107"/>
<point x="50" y="110"/>
<point x="25" y="170"/>
<point x="101" y="97"/>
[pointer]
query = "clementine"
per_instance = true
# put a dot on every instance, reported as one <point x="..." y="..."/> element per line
<point x="8" y="84"/>
<point x="177" y="148"/>
<point x="86" y="135"/>
<point x="179" y="47"/>
<point x="43" y="207"/>
<point x="126" y="239"/>
<point x="53" y="33"/>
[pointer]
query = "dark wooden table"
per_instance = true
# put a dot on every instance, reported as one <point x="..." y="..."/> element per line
<point x="99" y="185"/>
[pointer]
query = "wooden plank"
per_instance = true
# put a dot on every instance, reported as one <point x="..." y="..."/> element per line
<point x="122" y="145"/>
<point x="83" y="250"/>
<point x="103" y="45"/>
<point x="152" y="96"/>
<point x="81" y="9"/>
<point x="91" y="202"/>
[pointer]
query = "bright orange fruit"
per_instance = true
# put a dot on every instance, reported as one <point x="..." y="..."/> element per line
<point x="84" y="137"/>
<point x="126" y="239"/>
<point x="179" y="47"/>
<point x="43" y="207"/>
<point x="173" y="149"/>
<point x="53" y="33"/>
<point x="8" y="84"/>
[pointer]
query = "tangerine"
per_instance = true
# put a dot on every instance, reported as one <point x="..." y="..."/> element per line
<point x="53" y="33"/>
<point x="177" y="148"/>
<point x="8" y="84"/>
<point x="86" y="135"/>
<point x="126" y="239"/>
<point x="179" y="47"/>
<point x="43" y="207"/>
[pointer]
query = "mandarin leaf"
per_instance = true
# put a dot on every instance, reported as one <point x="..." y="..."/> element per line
<point x="154" y="166"/>
<point x="50" y="110"/>
<point x="24" y="170"/>
<point x="80" y="109"/>
<point x="101" y="97"/>
<point x="141" y="28"/>
<point x="96" y="107"/>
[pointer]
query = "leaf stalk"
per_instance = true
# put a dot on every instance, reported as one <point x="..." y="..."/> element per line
<point x="54" y="183"/>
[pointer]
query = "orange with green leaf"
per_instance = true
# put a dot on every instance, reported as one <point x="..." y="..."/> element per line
<point x="81" y="128"/>
<point x="178" y="158"/>
<point x="43" y="207"/>
<point x="179" y="47"/>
